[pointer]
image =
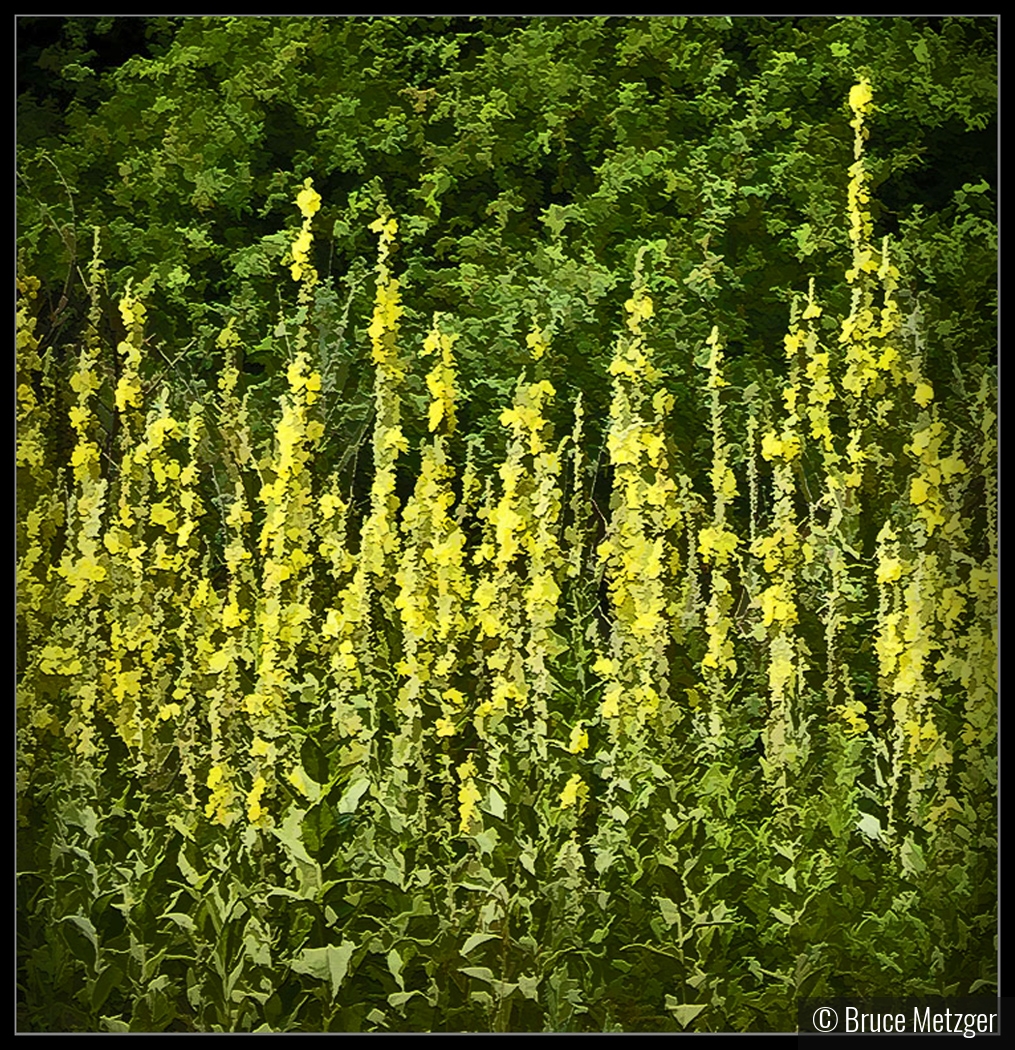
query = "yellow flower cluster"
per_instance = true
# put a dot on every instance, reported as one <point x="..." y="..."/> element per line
<point x="433" y="585"/>
<point x="575" y="793"/>
<point x="128" y="388"/>
<point x="717" y="544"/>
<point x="905" y="645"/>
<point x="219" y="805"/>
<point x="88" y="566"/>
<point x="639" y="553"/>
<point x="516" y="597"/>
<point x="309" y="202"/>
<point x="468" y="796"/>
<point x="934" y="473"/>
<point x="440" y="380"/>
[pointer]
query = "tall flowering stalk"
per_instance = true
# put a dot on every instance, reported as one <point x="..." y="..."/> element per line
<point x="516" y="599"/>
<point x="783" y="552"/>
<point x="639" y="550"/>
<point x="433" y="591"/>
<point x="283" y="614"/>
<point x="870" y="338"/>
<point x="40" y="515"/>
<point x="349" y="620"/>
<point x="718" y="545"/>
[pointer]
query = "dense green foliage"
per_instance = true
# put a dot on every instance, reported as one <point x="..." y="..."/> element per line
<point x="691" y="713"/>
<point x="528" y="161"/>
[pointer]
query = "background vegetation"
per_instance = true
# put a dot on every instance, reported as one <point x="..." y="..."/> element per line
<point x="506" y="520"/>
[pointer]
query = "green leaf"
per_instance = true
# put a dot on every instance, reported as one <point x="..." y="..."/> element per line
<point x="184" y="921"/>
<point x="353" y="793"/>
<point x="911" y="856"/>
<point x="671" y="913"/>
<point x="475" y="939"/>
<point x="282" y="891"/>
<point x="315" y="762"/>
<point x="330" y="963"/>
<point x="870" y="826"/>
<point x="110" y="977"/>
<point x="487" y="840"/>
<point x="289" y="834"/>
<point x="399" y="999"/>
<point x="494" y="804"/>
<point x="187" y="870"/>
<point x="481" y="973"/>
<point x="684" y="1013"/>
<point x="84" y="818"/>
<point x="395" y="965"/>
<point x="529" y="986"/>
<point x="84" y="924"/>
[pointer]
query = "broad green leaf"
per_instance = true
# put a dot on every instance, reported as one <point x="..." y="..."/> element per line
<point x="494" y="803"/>
<point x="870" y="826"/>
<point x="110" y="977"/>
<point x="911" y="856"/>
<point x="187" y="870"/>
<point x="399" y="999"/>
<point x="481" y="973"/>
<point x="684" y="1013"/>
<point x="487" y="840"/>
<point x="282" y="891"/>
<point x="671" y="913"/>
<point x="315" y="762"/>
<point x="475" y="939"/>
<point x="84" y="924"/>
<point x="184" y="921"/>
<point x="352" y="794"/>
<point x="326" y="964"/>
<point x="84" y="817"/>
<point x="529" y="986"/>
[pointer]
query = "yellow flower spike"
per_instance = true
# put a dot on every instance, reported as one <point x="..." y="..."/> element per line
<point x="575" y="793"/>
<point x="308" y="200"/>
<point x="860" y="96"/>
<point x="301" y="246"/>
<point x="579" y="740"/>
<point x="923" y="394"/>
<point x="610" y="707"/>
<point x="537" y="341"/>
<point x="889" y="570"/>
<point x="255" y="811"/>
<point x="445" y="727"/>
